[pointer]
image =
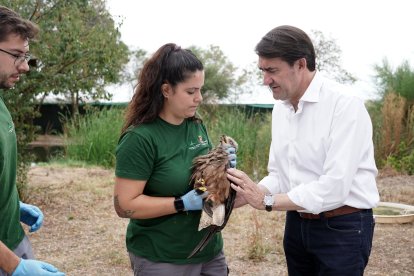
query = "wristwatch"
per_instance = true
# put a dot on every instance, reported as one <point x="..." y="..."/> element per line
<point x="179" y="204"/>
<point x="268" y="202"/>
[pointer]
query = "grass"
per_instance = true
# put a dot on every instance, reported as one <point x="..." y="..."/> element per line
<point x="251" y="236"/>
<point x="95" y="136"/>
<point x="82" y="234"/>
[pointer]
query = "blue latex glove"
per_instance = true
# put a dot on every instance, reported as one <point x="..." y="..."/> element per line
<point x="193" y="201"/>
<point x="232" y="156"/>
<point x="36" y="268"/>
<point x="31" y="216"/>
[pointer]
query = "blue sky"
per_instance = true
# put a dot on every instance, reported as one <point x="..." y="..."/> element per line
<point x="367" y="31"/>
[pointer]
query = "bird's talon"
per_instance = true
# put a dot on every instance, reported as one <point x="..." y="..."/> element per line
<point x="200" y="190"/>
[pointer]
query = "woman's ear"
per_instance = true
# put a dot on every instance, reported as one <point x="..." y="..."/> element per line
<point x="165" y="89"/>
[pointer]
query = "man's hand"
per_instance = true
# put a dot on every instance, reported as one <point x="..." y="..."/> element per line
<point x="193" y="201"/>
<point x="246" y="189"/>
<point x="239" y="201"/>
<point x="31" y="216"/>
<point x="36" y="268"/>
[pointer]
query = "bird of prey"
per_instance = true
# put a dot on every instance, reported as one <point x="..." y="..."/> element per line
<point x="209" y="174"/>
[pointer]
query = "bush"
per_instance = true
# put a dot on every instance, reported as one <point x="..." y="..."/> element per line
<point x="402" y="160"/>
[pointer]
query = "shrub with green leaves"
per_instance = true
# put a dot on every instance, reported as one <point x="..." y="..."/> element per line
<point x="403" y="159"/>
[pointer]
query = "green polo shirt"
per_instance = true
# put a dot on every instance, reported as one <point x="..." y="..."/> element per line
<point x="162" y="154"/>
<point x="11" y="231"/>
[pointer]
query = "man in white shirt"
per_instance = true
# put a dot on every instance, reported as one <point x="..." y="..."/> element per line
<point x="321" y="162"/>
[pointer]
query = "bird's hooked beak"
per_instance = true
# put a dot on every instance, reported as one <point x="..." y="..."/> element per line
<point x="228" y="141"/>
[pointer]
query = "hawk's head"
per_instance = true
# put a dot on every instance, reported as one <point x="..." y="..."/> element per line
<point x="227" y="141"/>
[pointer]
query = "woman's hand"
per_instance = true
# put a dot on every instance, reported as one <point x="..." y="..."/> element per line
<point x="193" y="201"/>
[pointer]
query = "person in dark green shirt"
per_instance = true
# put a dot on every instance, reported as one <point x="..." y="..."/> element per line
<point x="160" y="138"/>
<point x="16" y="256"/>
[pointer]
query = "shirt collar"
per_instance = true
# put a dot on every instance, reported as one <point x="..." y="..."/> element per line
<point x="312" y="92"/>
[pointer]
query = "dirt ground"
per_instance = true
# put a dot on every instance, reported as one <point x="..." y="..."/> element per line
<point x="82" y="235"/>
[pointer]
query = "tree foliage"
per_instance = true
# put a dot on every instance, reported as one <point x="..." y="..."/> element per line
<point x="396" y="129"/>
<point x="400" y="80"/>
<point x="78" y="53"/>
<point x="139" y="56"/>
<point x="223" y="80"/>
<point x="328" y="58"/>
<point x="221" y="76"/>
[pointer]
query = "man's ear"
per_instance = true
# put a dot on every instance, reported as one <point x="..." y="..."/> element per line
<point x="302" y="63"/>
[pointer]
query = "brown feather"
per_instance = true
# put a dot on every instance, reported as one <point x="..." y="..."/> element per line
<point x="209" y="172"/>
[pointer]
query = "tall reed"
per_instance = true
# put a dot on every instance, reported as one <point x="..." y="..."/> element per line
<point x="393" y="126"/>
<point x="410" y="125"/>
<point x="93" y="137"/>
<point x="250" y="129"/>
<point x="393" y="111"/>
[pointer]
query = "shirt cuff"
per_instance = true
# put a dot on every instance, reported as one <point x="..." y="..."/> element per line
<point x="303" y="197"/>
<point x="271" y="183"/>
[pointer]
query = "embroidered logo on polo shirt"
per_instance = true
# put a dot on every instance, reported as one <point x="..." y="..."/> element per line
<point x="200" y="142"/>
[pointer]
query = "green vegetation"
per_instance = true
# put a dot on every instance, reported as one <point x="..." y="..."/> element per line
<point x="93" y="138"/>
<point x="393" y="118"/>
<point x="77" y="54"/>
<point x="221" y="80"/>
<point x="71" y="64"/>
<point x="251" y="131"/>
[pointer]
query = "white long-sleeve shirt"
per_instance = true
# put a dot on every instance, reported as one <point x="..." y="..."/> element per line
<point x="322" y="155"/>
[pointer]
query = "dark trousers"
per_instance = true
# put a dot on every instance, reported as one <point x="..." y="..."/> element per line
<point x="328" y="246"/>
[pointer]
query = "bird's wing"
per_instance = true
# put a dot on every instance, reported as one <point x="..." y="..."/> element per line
<point x="210" y="233"/>
<point x="213" y="229"/>
<point x="229" y="206"/>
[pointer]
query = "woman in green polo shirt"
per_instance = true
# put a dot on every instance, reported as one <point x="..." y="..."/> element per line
<point x="160" y="138"/>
